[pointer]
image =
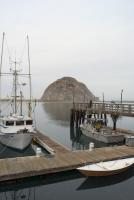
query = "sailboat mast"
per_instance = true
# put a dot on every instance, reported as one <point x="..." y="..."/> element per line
<point x="20" y="103"/>
<point x="1" y="66"/>
<point x="15" y="89"/>
<point x="30" y="85"/>
<point x="2" y="52"/>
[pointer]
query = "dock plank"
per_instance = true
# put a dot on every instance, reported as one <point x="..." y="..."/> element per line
<point x="51" y="143"/>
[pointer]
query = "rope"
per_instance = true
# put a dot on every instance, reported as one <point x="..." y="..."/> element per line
<point x="9" y="54"/>
<point x="22" y="54"/>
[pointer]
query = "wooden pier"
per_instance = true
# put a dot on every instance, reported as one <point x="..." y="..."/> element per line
<point x="108" y="108"/>
<point x="100" y="110"/>
<point x="62" y="160"/>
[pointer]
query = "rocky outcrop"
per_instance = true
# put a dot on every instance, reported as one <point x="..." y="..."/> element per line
<point x="67" y="89"/>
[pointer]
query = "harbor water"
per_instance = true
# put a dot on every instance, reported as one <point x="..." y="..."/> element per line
<point x="52" y="119"/>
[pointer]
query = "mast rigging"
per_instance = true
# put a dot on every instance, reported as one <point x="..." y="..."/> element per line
<point x="30" y="85"/>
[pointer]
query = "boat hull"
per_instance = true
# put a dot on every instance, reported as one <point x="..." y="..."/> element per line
<point x="17" y="141"/>
<point x="100" y="136"/>
<point x="103" y="173"/>
<point x="107" y="168"/>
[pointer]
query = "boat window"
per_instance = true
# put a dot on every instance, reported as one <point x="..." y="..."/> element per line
<point x="9" y="123"/>
<point x="29" y="122"/>
<point x="19" y="123"/>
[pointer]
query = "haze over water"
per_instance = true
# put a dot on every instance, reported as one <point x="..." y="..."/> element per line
<point x="90" y="40"/>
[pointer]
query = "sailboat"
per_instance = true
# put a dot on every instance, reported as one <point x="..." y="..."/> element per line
<point x="16" y="129"/>
<point x="107" y="168"/>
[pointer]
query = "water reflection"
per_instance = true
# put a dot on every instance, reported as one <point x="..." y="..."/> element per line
<point x="71" y="137"/>
<point x="95" y="182"/>
<point x="7" y="152"/>
<point x="80" y="141"/>
<point x="55" y="118"/>
<point x="30" y="188"/>
<point x="67" y="185"/>
<point x="60" y="112"/>
<point x="26" y="194"/>
<point x="71" y="185"/>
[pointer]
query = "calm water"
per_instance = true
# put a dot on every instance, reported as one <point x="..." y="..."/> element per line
<point x="53" y="120"/>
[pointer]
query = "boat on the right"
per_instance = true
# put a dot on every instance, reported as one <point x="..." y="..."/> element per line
<point x="96" y="129"/>
<point x="107" y="168"/>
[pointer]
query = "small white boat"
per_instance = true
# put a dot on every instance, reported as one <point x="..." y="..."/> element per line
<point x="107" y="168"/>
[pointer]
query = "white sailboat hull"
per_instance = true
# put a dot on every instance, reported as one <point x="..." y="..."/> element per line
<point x="16" y="140"/>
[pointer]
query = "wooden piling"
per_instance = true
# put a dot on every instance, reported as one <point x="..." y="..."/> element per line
<point x="72" y="117"/>
<point x="77" y="118"/>
<point x="105" y="119"/>
<point x="83" y="116"/>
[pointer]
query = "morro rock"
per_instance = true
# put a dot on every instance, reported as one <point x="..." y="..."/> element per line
<point x="67" y="89"/>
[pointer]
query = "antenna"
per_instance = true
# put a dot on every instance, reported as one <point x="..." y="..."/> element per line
<point x="30" y="85"/>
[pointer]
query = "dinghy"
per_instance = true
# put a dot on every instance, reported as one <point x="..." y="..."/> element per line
<point x="107" y="168"/>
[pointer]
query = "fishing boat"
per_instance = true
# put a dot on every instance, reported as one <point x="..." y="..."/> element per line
<point x="16" y="128"/>
<point x="96" y="129"/>
<point x="107" y="168"/>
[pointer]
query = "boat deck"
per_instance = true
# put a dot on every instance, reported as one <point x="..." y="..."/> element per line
<point x="63" y="159"/>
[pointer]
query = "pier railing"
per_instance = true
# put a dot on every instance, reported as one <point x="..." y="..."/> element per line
<point x="109" y="108"/>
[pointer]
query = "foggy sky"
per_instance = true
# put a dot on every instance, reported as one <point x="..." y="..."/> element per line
<point x="90" y="40"/>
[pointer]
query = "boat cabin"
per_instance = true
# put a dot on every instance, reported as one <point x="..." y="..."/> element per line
<point x="16" y="122"/>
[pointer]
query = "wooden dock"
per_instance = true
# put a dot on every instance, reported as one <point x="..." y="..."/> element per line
<point x="123" y="109"/>
<point x="62" y="160"/>
<point x="99" y="110"/>
<point x="54" y="146"/>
